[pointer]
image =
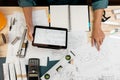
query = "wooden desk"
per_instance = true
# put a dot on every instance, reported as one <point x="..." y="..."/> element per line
<point x="8" y="11"/>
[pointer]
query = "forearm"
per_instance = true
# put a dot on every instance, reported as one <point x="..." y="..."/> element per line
<point x="98" y="8"/>
<point x="97" y="18"/>
<point x="28" y="16"/>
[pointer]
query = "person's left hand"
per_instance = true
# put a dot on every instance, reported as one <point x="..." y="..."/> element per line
<point x="97" y="37"/>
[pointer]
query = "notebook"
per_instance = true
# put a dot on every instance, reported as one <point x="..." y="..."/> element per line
<point x="73" y="17"/>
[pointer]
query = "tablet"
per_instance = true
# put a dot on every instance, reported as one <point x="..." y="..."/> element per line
<point x="50" y="37"/>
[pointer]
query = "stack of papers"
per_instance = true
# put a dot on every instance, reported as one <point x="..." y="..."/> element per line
<point x="15" y="71"/>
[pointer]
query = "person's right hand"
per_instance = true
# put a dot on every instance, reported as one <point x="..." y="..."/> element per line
<point x="28" y="17"/>
<point x="97" y="38"/>
<point x="29" y="33"/>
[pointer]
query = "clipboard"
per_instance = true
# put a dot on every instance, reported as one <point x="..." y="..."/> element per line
<point x="50" y="37"/>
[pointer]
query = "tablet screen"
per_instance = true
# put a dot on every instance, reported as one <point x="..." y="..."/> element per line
<point x="50" y="36"/>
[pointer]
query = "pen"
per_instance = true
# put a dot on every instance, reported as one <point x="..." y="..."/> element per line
<point x="10" y="24"/>
<point x="69" y="17"/>
<point x="13" y="21"/>
<point x="72" y="53"/>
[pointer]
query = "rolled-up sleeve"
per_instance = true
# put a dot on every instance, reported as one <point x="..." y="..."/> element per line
<point x="26" y="3"/>
<point x="99" y="4"/>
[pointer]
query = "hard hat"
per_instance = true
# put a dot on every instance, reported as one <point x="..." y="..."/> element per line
<point x="3" y="21"/>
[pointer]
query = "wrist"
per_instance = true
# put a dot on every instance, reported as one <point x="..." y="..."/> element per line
<point x="96" y="26"/>
<point x="30" y="28"/>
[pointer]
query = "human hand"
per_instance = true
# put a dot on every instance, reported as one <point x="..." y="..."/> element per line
<point x="97" y="38"/>
<point x="29" y="33"/>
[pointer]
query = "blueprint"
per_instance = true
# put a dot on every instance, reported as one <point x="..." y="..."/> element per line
<point x="89" y="64"/>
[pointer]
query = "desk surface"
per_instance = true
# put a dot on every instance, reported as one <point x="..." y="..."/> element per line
<point x="10" y="10"/>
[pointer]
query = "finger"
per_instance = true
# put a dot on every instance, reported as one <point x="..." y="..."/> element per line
<point x="103" y="37"/>
<point x="101" y="41"/>
<point x="98" y="45"/>
<point x="30" y="37"/>
<point x="92" y="42"/>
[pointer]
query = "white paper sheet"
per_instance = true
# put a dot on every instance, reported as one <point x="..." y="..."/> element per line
<point x="59" y="16"/>
<point x="18" y="69"/>
<point x="12" y="49"/>
<point x="79" y="18"/>
<point x="6" y="71"/>
<point x="35" y="52"/>
<point x="23" y="69"/>
<point x="12" y="71"/>
<point x="90" y="62"/>
<point x="43" y="54"/>
<point x="39" y="17"/>
<point x="77" y="39"/>
<point x="114" y="47"/>
<point x="58" y="54"/>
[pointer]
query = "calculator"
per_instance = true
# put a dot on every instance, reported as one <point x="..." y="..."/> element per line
<point x="33" y="69"/>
